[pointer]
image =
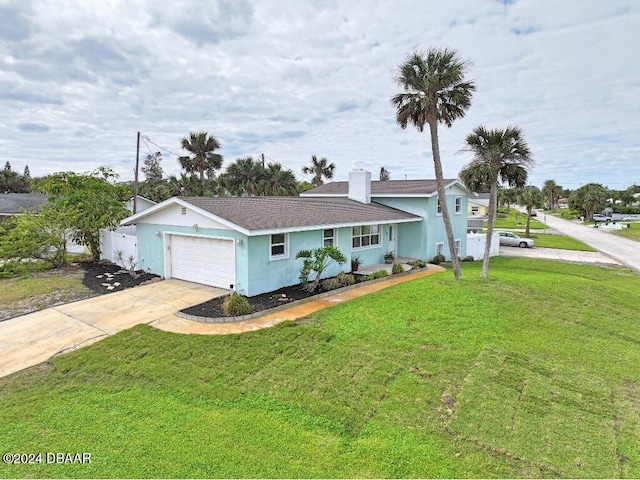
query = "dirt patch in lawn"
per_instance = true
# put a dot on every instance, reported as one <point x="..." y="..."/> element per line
<point x="64" y="285"/>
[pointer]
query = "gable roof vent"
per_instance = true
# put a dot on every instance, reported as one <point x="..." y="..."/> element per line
<point x="183" y="210"/>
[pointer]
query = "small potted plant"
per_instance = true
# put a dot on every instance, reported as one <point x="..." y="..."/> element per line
<point x="389" y="257"/>
<point x="355" y="263"/>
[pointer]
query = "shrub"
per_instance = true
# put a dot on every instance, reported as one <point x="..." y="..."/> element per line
<point x="330" y="284"/>
<point x="438" y="259"/>
<point x="397" y="268"/>
<point x="380" y="274"/>
<point x="366" y="278"/>
<point x="235" y="305"/>
<point x="468" y="258"/>
<point x="345" y="279"/>
<point x="417" y="264"/>
<point x="17" y="269"/>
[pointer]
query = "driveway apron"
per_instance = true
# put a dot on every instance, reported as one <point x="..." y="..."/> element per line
<point x="33" y="338"/>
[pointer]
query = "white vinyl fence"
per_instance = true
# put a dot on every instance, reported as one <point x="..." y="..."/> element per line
<point x="123" y="239"/>
<point x="476" y="243"/>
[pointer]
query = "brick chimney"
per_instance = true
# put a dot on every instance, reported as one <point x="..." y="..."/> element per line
<point x="360" y="186"/>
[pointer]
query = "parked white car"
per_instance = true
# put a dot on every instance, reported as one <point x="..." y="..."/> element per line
<point x="598" y="217"/>
<point x="513" y="240"/>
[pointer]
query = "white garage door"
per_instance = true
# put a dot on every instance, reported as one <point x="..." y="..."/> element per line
<point x="209" y="261"/>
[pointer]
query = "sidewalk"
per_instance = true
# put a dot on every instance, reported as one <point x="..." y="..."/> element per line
<point x="176" y="324"/>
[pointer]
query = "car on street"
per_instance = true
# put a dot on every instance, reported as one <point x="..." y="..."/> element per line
<point x="512" y="240"/>
<point x="598" y="217"/>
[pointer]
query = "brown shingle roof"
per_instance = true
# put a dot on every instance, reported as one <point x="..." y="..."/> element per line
<point x="269" y="213"/>
<point x="389" y="187"/>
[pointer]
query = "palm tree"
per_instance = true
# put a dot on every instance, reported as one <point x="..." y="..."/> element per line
<point x="319" y="169"/>
<point x="530" y="197"/>
<point x="279" y="181"/>
<point x="202" y="159"/>
<point x="243" y="177"/>
<point x="551" y="191"/>
<point x="434" y="91"/>
<point x="498" y="156"/>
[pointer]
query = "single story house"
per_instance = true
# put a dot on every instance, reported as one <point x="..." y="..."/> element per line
<point x="250" y="243"/>
<point x="12" y="204"/>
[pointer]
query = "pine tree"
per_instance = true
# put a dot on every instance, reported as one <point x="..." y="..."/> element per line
<point x="27" y="173"/>
<point x="7" y="166"/>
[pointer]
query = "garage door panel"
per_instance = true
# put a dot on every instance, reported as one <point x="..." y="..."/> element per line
<point x="209" y="261"/>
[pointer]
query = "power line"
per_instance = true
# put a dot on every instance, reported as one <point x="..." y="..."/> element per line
<point x="146" y="137"/>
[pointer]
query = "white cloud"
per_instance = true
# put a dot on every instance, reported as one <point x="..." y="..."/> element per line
<point x="292" y="79"/>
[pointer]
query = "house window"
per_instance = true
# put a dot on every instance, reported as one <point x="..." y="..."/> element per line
<point x="458" y="204"/>
<point x="475" y="210"/>
<point x="328" y="236"/>
<point x="279" y="248"/>
<point x="365" y="236"/>
<point x="457" y="246"/>
<point x="439" y="248"/>
<point x="439" y="208"/>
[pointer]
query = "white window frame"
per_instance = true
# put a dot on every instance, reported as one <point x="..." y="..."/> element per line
<point x="369" y="237"/>
<point x="458" y="204"/>
<point x="440" y="248"/>
<point x="333" y="237"/>
<point x="458" y="246"/>
<point x="438" y="207"/>
<point x="285" y="243"/>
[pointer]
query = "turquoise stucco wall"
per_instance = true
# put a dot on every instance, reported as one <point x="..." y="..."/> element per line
<point x="420" y="242"/>
<point x="267" y="275"/>
<point x="151" y="253"/>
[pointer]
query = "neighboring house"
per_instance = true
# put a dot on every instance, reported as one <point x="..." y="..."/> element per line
<point x="142" y="203"/>
<point x="250" y="243"/>
<point x="478" y="205"/>
<point x="12" y="204"/>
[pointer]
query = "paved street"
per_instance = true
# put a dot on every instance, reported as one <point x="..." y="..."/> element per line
<point x="625" y="251"/>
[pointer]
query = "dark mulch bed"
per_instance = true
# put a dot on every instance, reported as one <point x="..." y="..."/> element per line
<point x="264" y="301"/>
<point x="105" y="277"/>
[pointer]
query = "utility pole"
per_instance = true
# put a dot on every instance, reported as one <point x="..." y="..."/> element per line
<point x="135" y="178"/>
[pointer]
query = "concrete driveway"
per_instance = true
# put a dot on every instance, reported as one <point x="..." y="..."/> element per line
<point x="574" y="256"/>
<point x="33" y="338"/>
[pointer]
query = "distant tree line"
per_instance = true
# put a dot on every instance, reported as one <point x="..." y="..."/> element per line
<point x="14" y="182"/>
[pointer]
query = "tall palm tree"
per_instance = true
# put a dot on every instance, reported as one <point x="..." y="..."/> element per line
<point x="319" y="169"/>
<point x="530" y="197"/>
<point x="551" y="191"/>
<point x="498" y="156"/>
<point x="202" y="159"/>
<point x="434" y="91"/>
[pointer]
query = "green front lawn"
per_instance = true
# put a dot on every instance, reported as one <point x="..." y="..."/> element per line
<point x="526" y="374"/>
<point x="515" y="219"/>
<point x="548" y="240"/>
<point x="632" y="233"/>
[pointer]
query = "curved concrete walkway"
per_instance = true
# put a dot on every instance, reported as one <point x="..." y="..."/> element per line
<point x="176" y="324"/>
<point x="34" y="338"/>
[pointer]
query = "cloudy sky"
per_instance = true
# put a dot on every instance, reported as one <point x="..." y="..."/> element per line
<point x="292" y="78"/>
